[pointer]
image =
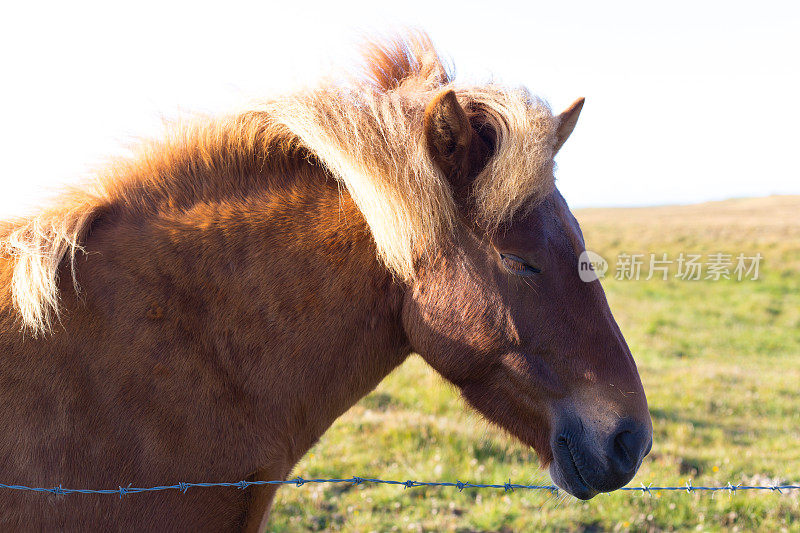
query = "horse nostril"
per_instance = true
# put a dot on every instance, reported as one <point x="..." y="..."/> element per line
<point x="627" y="451"/>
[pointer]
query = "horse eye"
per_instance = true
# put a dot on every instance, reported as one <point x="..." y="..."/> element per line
<point x="518" y="266"/>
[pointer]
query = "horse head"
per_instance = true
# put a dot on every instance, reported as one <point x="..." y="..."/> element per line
<point x="503" y="313"/>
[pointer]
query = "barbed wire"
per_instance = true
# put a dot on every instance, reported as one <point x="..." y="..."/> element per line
<point x="460" y="485"/>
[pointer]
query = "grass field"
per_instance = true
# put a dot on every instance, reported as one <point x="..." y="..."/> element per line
<point x="720" y="362"/>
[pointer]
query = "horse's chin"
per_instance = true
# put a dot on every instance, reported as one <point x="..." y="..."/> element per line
<point x="567" y="476"/>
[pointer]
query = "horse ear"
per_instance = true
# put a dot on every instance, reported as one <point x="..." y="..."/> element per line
<point x="566" y="123"/>
<point x="448" y="134"/>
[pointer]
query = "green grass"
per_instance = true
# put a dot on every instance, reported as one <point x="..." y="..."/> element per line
<point x="720" y="362"/>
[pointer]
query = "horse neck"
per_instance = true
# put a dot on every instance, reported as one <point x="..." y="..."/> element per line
<point x="280" y="293"/>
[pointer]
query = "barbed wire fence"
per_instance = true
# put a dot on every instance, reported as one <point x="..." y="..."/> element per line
<point x="355" y="481"/>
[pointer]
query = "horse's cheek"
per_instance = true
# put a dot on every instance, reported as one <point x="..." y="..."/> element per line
<point x="451" y="335"/>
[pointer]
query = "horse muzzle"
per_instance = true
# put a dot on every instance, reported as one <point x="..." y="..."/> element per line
<point x="585" y="465"/>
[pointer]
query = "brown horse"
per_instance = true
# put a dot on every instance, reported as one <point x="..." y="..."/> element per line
<point x="209" y="307"/>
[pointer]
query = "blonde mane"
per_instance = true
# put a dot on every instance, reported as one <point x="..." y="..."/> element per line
<point x="367" y="132"/>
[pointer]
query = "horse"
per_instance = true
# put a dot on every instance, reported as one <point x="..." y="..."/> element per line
<point x="206" y="307"/>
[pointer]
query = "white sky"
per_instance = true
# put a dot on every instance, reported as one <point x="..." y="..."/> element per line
<point x="686" y="101"/>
